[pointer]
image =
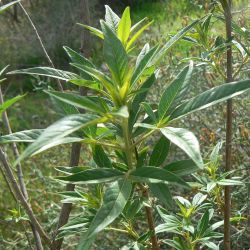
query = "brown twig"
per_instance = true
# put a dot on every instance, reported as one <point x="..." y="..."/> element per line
<point x="227" y="207"/>
<point x="76" y="147"/>
<point x="66" y="207"/>
<point x="150" y="219"/>
<point x="20" y="172"/>
<point x="20" y="197"/>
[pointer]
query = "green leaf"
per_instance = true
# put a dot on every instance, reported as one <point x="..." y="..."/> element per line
<point x="203" y="224"/>
<point x="93" y="30"/>
<point x="115" y="199"/>
<point x="142" y="54"/>
<point x="8" y="5"/>
<point x="97" y="75"/>
<point x="160" y="152"/>
<point x="87" y="84"/>
<point x="155" y="175"/>
<point x="114" y="55"/>
<point x="90" y="103"/>
<point x="10" y="102"/>
<point x="56" y="133"/>
<point x="46" y="71"/>
<point x="93" y="176"/>
<point x="140" y="97"/>
<point x="161" y="191"/>
<point x="229" y="182"/>
<point x="149" y="110"/>
<point x="137" y="35"/>
<point x="142" y="65"/>
<point x="211" y="97"/>
<point x="22" y="136"/>
<point x="121" y="112"/>
<point x="85" y="244"/>
<point x="100" y="157"/>
<point x="111" y="19"/>
<point x="77" y="57"/>
<point x="182" y="168"/>
<point x="173" y="90"/>
<point x="185" y="140"/>
<point x="173" y="41"/>
<point x="124" y="26"/>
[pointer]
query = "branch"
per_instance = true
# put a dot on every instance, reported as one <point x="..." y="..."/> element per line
<point x="20" y="197"/>
<point x="60" y="87"/>
<point x="19" y="172"/>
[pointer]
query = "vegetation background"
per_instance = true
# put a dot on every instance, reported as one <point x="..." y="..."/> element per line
<point x="56" y="22"/>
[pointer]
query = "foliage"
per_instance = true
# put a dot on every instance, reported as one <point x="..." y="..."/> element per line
<point x="119" y="122"/>
<point x="121" y="148"/>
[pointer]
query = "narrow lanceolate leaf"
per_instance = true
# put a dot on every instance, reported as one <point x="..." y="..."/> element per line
<point x="211" y="97"/>
<point x="173" y="41"/>
<point x="8" y="5"/>
<point x="93" y="176"/>
<point x="114" y="55"/>
<point x="142" y="65"/>
<point x="56" y="133"/>
<point x="96" y="74"/>
<point x="124" y="26"/>
<point x="182" y="168"/>
<point x="159" y="152"/>
<point x="111" y="19"/>
<point x="93" y="30"/>
<point x="115" y="199"/>
<point x="46" y="71"/>
<point x="90" y="103"/>
<point x="162" y="192"/>
<point x="185" y="140"/>
<point x="173" y="90"/>
<point x="137" y="35"/>
<point x="100" y="157"/>
<point x="142" y="54"/>
<point x="155" y="175"/>
<point x="22" y="136"/>
<point x="203" y="224"/>
<point x="9" y="103"/>
<point x="77" y="57"/>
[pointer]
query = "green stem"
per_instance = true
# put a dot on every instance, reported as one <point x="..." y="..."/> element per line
<point x="128" y="143"/>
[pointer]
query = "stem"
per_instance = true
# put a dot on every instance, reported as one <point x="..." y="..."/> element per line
<point x="19" y="172"/>
<point x="76" y="147"/>
<point x="150" y="219"/>
<point x="149" y="214"/>
<point x="59" y="85"/>
<point x="227" y="207"/>
<point x="19" y="196"/>
<point x="128" y="144"/>
<point x="66" y="207"/>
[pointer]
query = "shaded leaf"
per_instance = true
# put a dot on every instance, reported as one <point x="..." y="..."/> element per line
<point x="154" y="175"/>
<point x="115" y="199"/>
<point x="159" y="152"/>
<point x="93" y="176"/>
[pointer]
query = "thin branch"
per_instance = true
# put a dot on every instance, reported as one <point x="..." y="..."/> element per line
<point x="60" y="87"/>
<point x="19" y="195"/>
<point x="66" y="207"/>
<point x="76" y="147"/>
<point x="19" y="172"/>
<point x="227" y="5"/>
